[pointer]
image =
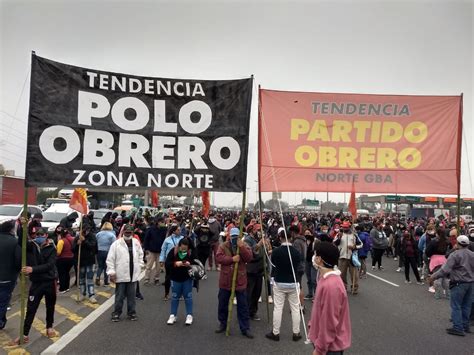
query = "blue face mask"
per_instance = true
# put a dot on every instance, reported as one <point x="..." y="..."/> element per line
<point x="40" y="240"/>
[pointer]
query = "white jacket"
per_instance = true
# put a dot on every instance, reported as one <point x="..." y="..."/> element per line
<point x="118" y="260"/>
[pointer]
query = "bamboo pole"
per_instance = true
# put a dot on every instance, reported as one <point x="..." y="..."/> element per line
<point x="236" y="265"/>
<point x="23" y="264"/>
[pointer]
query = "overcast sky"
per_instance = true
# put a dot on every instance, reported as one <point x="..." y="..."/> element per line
<point x="380" y="47"/>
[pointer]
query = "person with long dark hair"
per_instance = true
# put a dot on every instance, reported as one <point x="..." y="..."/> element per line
<point x="409" y="251"/>
<point x="436" y="252"/>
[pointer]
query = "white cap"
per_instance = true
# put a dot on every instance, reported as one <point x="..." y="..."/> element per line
<point x="463" y="240"/>
<point x="281" y="229"/>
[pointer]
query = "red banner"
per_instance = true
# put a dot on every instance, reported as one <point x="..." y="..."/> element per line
<point x="381" y="143"/>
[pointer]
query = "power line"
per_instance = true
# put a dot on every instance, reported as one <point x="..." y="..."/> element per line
<point x="21" y="94"/>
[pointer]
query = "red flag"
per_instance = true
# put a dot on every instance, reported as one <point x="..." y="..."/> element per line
<point x="206" y="204"/>
<point x="352" y="203"/>
<point x="79" y="200"/>
<point x="154" y="198"/>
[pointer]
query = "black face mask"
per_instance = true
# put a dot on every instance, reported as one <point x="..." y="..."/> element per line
<point x="346" y="230"/>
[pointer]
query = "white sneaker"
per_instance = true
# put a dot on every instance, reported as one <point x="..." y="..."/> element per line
<point x="172" y="320"/>
<point x="92" y="299"/>
<point x="260" y="299"/>
<point x="432" y="289"/>
<point x="395" y="259"/>
<point x="81" y="298"/>
<point x="189" y="320"/>
<point x="399" y="269"/>
<point x="235" y="300"/>
<point x="270" y="299"/>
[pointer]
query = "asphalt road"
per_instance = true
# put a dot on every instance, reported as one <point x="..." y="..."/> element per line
<point x="385" y="320"/>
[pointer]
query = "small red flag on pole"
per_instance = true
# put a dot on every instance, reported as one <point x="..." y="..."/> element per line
<point x="79" y="200"/>
<point x="155" y="200"/>
<point x="352" y="203"/>
<point x="206" y="204"/>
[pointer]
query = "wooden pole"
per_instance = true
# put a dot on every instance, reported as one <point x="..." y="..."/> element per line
<point x="79" y="264"/>
<point x="265" y="271"/>
<point x="23" y="264"/>
<point x="236" y="265"/>
<point x="458" y="165"/>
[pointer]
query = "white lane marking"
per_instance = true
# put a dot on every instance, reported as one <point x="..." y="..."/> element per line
<point x="379" y="278"/>
<point x="56" y="347"/>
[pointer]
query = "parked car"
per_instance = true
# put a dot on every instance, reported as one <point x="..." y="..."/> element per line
<point x="54" y="214"/>
<point x="8" y="212"/>
<point x="99" y="214"/>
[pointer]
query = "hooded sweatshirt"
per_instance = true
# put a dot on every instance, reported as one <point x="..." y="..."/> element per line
<point x="330" y="324"/>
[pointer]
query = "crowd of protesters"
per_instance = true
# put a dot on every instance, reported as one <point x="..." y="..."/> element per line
<point x="275" y="253"/>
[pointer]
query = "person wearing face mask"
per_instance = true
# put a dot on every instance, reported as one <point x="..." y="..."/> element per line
<point x="347" y="243"/>
<point x="335" y="232"/>
<point x="436" y="251"/>
<point x="65" y="258"/>
<point x="460" y="268"/>
<point x="178" y="262"/>
<point x="255" y="270"/>
<point x="169" y="244"/>
<point x="379" y="242"/>
<point x="41" y="269"/>
<point x="424" y="240"/>
<point x="285" y="259"/>
<point x="330" y="324"/>
<point x="228" y="258"/>
<point x="88" y="244"/>
<point x="124" y="263"/>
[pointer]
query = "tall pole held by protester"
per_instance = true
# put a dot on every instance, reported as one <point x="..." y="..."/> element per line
<point x="259" y="157"/>
<point x="79" y="263"/>
<point x="236" y="265"/>
<point x="458" y="167"/>
<point x="23" y="264"/>
<point x="265" y="271"/>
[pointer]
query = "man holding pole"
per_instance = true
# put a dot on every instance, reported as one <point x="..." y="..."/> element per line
<point x="228" y="257"/>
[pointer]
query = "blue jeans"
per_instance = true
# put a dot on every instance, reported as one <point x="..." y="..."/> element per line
<point x="86" y="280"/>
<point x="461" y="302"/>
<point x="102" y="266"/>
<point x="122" y="290"/>
<point x="184" y="289"/>
<point x="242" y="309"/>
<point x="6" y="290"/>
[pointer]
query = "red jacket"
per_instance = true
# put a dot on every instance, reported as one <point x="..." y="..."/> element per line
<point x="224" y="257"/>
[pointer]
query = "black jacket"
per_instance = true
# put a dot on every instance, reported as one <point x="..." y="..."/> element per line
<point x="88" y="250"/>
<point x="154" y="238"/>
<point x="10" y="257"/>
<point x="178" y="274"/>
<point x="42" y="260"/>
<point x="69" y="220"/>
<point x="282" y="271"/>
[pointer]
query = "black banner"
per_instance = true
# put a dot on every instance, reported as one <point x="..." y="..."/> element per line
<point x="107" y="130"/>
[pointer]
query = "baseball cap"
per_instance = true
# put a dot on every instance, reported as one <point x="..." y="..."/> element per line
<point x="128" y="228"/>
<point x="463" y="240"/>
<point x="234" y="231"/>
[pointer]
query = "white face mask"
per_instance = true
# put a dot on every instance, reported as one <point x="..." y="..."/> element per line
<point x="129" y="237"/>
<point x="472" y="235"/>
